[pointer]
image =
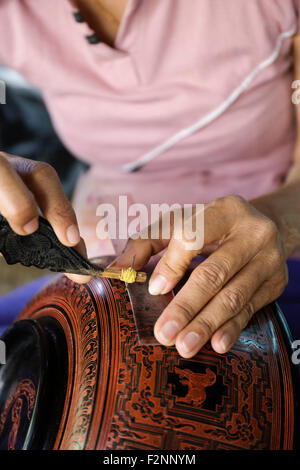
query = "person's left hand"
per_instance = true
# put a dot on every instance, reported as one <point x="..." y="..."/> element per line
<point x="246" y="271"/>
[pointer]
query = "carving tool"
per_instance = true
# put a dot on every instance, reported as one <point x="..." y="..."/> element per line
<point x="43" y="250"/>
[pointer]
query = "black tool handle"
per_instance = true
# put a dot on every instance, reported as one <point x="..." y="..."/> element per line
<point x="42" y="249"/>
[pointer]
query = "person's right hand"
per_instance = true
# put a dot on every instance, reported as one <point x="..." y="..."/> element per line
<point x="25" y="187"/>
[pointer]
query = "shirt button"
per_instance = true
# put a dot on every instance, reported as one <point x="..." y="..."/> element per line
<point x="78" y="17"/>
<point x="93" y="39"/>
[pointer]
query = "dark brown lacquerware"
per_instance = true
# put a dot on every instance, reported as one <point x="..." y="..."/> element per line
<point x="84" y="372"/>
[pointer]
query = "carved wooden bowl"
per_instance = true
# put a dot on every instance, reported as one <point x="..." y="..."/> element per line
<point x="84" y="372"/>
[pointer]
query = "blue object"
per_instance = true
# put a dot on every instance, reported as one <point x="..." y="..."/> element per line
<point x="13" y="303"/>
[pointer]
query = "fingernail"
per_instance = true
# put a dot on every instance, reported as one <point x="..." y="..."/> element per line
<point x="158" y="284"/>
<point x="225" y="342"/>
<point x="190" y="342"/>
<point x="73" y="235"/>
<point x="168" y="331"/>
<point x="32" y="226"/>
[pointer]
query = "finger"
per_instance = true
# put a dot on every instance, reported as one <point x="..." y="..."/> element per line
<point x="227" y="335"/>
<point x="220" y="218"/>
<point x="77" y="278"/>
<point x="177" y="258"/>
<point x="44" y="183"/>
<point x="152" y="240"/>
<point x="17" y="203"/>
<point x="170" y="268"/>
<point x="203" y="284"/>
<point x="235" y="297"/>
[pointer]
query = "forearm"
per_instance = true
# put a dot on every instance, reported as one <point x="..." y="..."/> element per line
<point x="283" y="207"/>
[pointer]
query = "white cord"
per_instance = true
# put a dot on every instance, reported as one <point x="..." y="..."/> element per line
<point x="137" y="164"/>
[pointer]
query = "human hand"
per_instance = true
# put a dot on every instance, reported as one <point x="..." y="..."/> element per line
<point x="25" y="187"/>
<point x="246" y="271"/>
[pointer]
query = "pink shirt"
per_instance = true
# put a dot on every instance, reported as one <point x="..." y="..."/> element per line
<point x="196" y="94"/>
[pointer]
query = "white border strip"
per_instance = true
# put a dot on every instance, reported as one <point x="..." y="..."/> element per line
<point x="137" y="164"/>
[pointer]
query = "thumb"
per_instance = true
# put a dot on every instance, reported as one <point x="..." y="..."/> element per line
<point x="171" y="267"/>
<point x="144" y="244"/>
<point x="78" y="278"/>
